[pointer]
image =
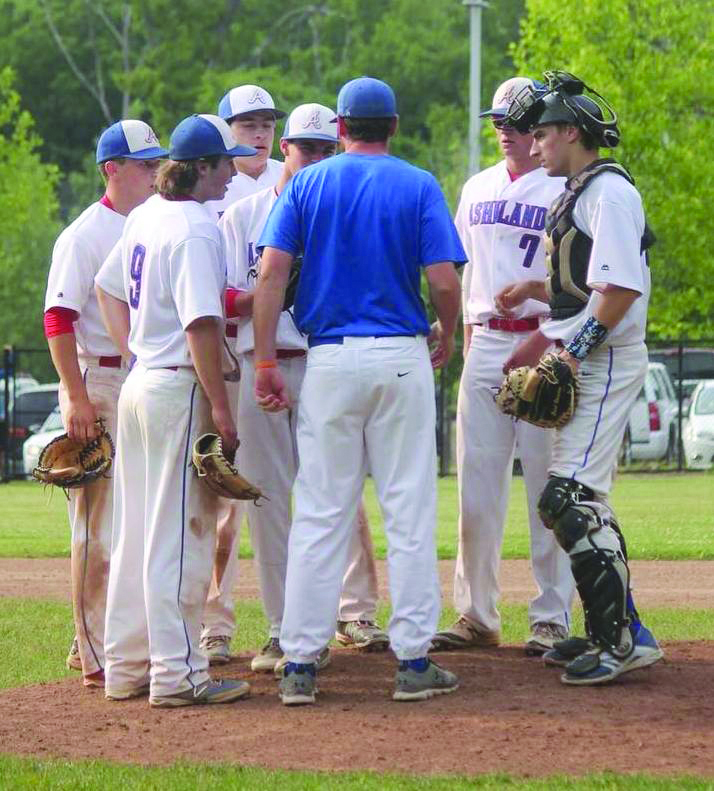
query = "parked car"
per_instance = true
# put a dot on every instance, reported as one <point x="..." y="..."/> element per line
<point x="22" y="382"/>
<point x="28" y="411"/>
<point x="32" y="447"/>
<point x="652" y="429"/>
<point x="698" y="431"/>
<point x="697" y="364"/>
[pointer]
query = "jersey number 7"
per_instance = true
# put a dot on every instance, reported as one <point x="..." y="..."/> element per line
<point x="529" y="242"/>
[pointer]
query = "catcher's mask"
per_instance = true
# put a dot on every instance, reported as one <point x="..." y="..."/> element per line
<point x="563" y="100"/>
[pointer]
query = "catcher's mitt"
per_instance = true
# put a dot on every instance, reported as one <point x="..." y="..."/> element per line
<point x="293" y="281"/>
<point x="69" y="463"/>
<point x="545" y="395"/>
<point x="217" y="470"/>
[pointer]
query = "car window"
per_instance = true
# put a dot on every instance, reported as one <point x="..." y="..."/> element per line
<point x="656" y="388"/>
<point x="704" y="404"/>
<point x="53" y="422"/>
<point x="33" y="406"/>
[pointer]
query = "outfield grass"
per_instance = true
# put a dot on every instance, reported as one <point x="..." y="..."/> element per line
<point x="35" y="634"/>
<point x="21" y="773"/>
<point x="665" y="517"/>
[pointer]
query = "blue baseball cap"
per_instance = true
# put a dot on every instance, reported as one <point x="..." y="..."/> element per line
<point x="129" y="140"/>
<point x="205" y="135"/>
<point x="366" y="97"/>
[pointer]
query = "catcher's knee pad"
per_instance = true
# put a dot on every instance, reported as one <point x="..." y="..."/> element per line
<point x="558" y="495"/>
<point x="602" y="578"/>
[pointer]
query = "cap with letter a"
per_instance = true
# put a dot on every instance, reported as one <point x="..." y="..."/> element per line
<point x="247" y="99"/>
<point x="506" y="93"/>
<point x="129" y="140"/>
<point x="311" y="122"/>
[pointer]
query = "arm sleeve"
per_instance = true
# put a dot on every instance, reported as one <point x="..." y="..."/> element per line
<point x="71" y="276"/>
<point x="198" y="279"/>
<point x="110" y="277"/>
<point x="283" y="228"/>
<point x="439" y="238"/>
<point x="59" y="321"/>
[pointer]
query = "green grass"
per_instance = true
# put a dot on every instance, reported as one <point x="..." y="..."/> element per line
<point x="35" y="633"/>
<point x="20" y="773"/>
<point x="666" y="516"/>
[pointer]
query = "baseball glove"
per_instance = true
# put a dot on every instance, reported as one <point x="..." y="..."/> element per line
<point x="69" y="463"/>
<point x="218" y="472"/>
<point x="292" y="286"/>
<point x="545" y="395"/>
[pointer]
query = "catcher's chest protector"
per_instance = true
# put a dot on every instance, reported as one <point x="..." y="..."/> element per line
<point x="567" y="248"/>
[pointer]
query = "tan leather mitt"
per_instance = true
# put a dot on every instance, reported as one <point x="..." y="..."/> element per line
<point x="217" y="471"/>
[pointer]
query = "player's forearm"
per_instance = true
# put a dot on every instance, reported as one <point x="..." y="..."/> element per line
<point x="206" y="347"/>
<point x="468" y="332"/>
<point x="115" y="315"/>
<point x="63" y="350"/>
<point x="445" y="295"/>
<point x="536" y="290"/>
<point x="268" y="300"/>
<point x="238" y="303"/>
<point x="612" y="305"/>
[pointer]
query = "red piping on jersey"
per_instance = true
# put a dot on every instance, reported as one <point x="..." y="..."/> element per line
<point x="232" y="310"/>
<point x="104" y="200"/>
<point x="59" y="321"/>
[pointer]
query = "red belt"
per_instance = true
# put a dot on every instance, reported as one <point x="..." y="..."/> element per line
<point x="231" y="330"/>
<point x="110" y="362"/>
<point x="288" y="354"/>
<point x="512" y="325"/>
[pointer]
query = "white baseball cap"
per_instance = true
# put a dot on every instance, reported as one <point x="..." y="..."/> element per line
<point x="129" y="140"/>
<point x="506" y="93"/>
<point x="311" y="122"/>
<point x="247" y="99"/>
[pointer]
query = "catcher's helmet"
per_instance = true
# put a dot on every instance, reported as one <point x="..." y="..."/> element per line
<point x="563" y="101"/>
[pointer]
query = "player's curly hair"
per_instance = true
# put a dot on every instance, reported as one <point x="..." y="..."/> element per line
<point x="174" y="179"/>
<point x="369" y="130"/>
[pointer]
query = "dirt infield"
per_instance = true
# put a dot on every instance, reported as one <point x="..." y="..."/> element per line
<point x="671" y="583"/>
<point x="511" y="713"/>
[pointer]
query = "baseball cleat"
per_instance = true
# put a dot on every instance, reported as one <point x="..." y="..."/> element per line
<point x="217" y="649"/>
<point x="564" y="651"/>
<point x="322" y="661"/>
<point x="599" y="666"/>
<point x="463" y="634"/>
<point x="421" y="679"/>
<point x="74" y="661"/>
<point x="297" y="686"/>
<point x="127" y="693"/>
<point x="94" y="679"/>
<point x="364" y="635"/>
<point x="268" y="657"/>
<point x="543" y="637"/>
<point x="210" y="691"/>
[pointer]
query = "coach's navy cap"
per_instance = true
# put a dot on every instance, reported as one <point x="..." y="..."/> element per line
<point x="366" y="97"/>
<point x="311" y="122"/>
<point x="247" y="99"/>
<point x="129" y="140"/>
<point x="205" y="136"/>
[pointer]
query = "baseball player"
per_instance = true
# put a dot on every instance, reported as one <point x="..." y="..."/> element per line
<point x="597" y="288"/>
<point x="250" y="112"/>
<point x="172" y="266"/>
<point x="90" y="366"/>
<point x="500" y="220"/>
<point x="366" y="224"/>
<point x="267" y="453"/>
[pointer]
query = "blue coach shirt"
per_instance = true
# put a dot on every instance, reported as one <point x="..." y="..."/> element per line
<point x="365" y="225"/>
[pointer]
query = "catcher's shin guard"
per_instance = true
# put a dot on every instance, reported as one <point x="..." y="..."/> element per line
<point x="597" y="561"/>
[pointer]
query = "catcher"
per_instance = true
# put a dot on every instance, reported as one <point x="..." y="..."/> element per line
<point x="597" y="289"/>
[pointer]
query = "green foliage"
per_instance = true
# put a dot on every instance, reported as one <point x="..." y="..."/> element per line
<point x="27" y="218"/>
<point x="648" y="59"/>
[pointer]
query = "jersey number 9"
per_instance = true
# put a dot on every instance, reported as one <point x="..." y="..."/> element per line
<point x="137" y="267"/>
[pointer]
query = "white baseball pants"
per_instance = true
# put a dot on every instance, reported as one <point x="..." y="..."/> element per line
<point x="485" y="444"/>
<point x="366" y="404"/>
<point x="164" y="536"/>
<point x="90" y="517"/>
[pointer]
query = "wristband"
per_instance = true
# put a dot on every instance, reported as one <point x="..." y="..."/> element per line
<point x="588" y="337"/>
<point x="262" y="364"/>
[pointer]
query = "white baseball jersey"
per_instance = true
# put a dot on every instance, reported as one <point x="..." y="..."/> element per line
<point x="78" y="253"/>
<point x="241" y="226"/>
<point x="501" y="224"/>
<point x="242" y="185"/>
<point x="173" y="251"/>
<point x="610" y="212"/>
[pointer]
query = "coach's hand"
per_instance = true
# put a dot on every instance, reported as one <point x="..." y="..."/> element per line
<point x="81" y="420"/>
<point x="441" y="346"/>
<point x="270" y="390"/>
